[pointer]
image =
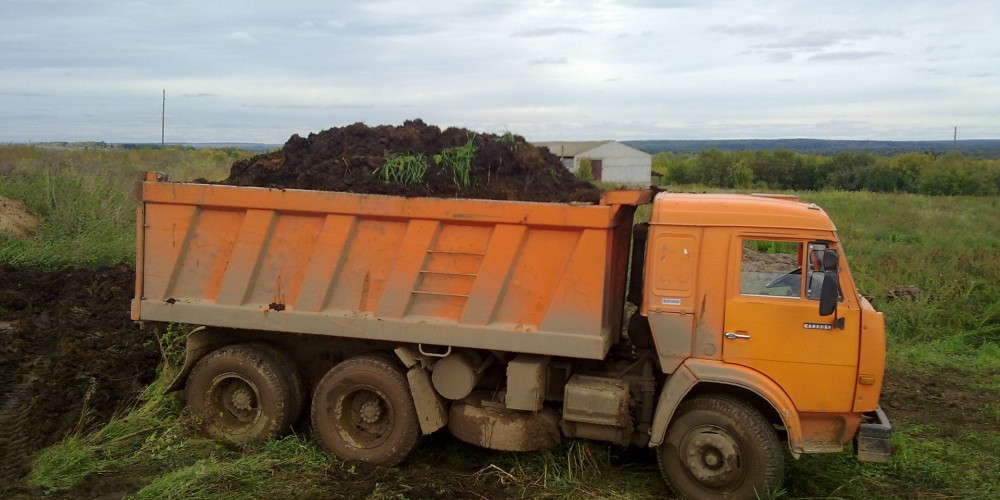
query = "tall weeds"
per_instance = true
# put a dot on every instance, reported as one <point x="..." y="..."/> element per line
<point x="85" y="199"/>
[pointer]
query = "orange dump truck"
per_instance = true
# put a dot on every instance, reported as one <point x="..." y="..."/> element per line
<point x="389" y="318"/>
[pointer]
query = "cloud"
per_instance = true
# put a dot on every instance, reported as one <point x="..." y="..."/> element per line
<point x="242" y="37"/>
<point x="552" y="31"/>
<point x="980" y="75"/>
<point x="333" y="63"/>
<point x="779" y="56"/>
<point x="308" y="106"/>
<point x="547" y="60"/>
<point x="23" y="94"/>
<point x="825" y="38"/>
<point x="759" y="29"/>
<point x="847" y="55"/>
<point x="659" y="4"/>
<point x="935" y="48"/>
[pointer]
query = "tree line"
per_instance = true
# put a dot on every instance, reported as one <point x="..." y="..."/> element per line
<point x="975" y="148"/>
<point x="782" y="169"/>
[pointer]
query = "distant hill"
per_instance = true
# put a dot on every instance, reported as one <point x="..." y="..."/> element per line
<point x="977" y="148"/>
<point x="252" y="147"/>
<point x="243" y="146"/>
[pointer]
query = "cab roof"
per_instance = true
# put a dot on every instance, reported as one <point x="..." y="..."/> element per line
<point x="738" y="210"/>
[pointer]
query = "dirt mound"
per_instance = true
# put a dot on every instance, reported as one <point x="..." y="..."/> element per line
<point x="15" y="218"/>
<point x="415" y="159"/>
<point x="70" y="356"/>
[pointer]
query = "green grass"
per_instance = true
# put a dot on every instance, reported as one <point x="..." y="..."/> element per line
<point x="84" y="199"/>
<point x="459" y="161"/>
<point x="946" y="247"/>
<point x="291" y="466"/>
<point x="148" y="433"/>
<point x="929" y="460"/>
<point x="404" y="170"/>
<point x="944" y="334"/>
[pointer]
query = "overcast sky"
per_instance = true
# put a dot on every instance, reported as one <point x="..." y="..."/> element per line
<point x="548" y="70"/>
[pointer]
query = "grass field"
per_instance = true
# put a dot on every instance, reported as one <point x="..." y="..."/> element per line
<point x="931" y="264"/>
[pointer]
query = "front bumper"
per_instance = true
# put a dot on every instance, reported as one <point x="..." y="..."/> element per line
<point x="871" y="444"/>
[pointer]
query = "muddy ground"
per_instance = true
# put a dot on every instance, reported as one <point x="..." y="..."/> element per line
<point x="351" y="159"/>
<point x="70" y="356"/>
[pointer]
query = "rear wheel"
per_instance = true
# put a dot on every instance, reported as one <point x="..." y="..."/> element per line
<point x="362" y="410"/>
<point x="721" y="447"/>
<point x="295" y="381"/>
<point x="242" y="394"/>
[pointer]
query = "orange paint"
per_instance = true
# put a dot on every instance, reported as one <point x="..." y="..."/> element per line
<point x="539" y="278"/>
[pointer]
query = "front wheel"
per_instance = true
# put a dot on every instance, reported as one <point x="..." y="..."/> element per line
<point x="363" y="410"/>
<point x="721" y="447"/>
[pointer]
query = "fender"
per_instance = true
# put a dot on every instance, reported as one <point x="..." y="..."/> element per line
<point x="695" y="371"/>
<point x="200" y="342"/>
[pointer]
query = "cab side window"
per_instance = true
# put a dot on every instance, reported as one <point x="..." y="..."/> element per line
<point x="771" y="268"/>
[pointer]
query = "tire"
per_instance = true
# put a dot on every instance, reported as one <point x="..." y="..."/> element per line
<point x="362" y="410"/>
<point x="721" y="447"/>
<point x="242" y="393"/>
<point x="298" y="390"/>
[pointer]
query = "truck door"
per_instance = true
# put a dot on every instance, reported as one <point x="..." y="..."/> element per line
<point x="772" y="323"/>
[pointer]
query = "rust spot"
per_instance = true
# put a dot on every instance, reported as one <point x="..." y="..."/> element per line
<point x="364" y="291"/>
<point x="274" y="306"/>
<point x="171" y="300"/>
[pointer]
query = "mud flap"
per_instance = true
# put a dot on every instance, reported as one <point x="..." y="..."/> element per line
<point x="871" y="444"/>
<point x="430" y="407"/>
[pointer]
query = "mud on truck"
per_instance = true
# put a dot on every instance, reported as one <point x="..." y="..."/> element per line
<point x="381" y="319"/>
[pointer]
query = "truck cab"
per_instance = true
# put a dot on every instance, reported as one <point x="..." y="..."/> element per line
<point x="733" y="297"/>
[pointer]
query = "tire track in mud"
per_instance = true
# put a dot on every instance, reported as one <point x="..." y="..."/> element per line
<point x="70" y="357"/>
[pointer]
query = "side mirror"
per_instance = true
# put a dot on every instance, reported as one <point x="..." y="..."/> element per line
<point x="831" y="259"/>
<point x="830" y="293"/>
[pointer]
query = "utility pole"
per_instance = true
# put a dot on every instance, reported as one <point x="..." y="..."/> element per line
<point x="163" y="117"/>
<point x="954" y="139"/>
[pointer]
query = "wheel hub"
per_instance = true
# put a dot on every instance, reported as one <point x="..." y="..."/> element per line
<point x="712" y="456"/>
<point x="242" y="399"/>
<point x="366" y="416"/>
<point x="236" y="400"/>
<point x="370" y="412"/>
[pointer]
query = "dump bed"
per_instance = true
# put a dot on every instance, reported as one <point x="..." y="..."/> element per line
<point x="545" y="278"/>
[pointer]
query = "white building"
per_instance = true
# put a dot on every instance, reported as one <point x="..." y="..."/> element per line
<point x="610" y="161"/>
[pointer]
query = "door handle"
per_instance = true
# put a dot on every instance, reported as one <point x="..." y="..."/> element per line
<point x="733" y="336"/>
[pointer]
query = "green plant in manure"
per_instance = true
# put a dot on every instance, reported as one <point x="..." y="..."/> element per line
<point x="404" y="170"/>
<point x="508" y="136"/>
<point x="459" y="160"/>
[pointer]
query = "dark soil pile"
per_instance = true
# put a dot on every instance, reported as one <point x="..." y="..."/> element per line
<point x="353" y="159"/>
<point x="70" y="356"/>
